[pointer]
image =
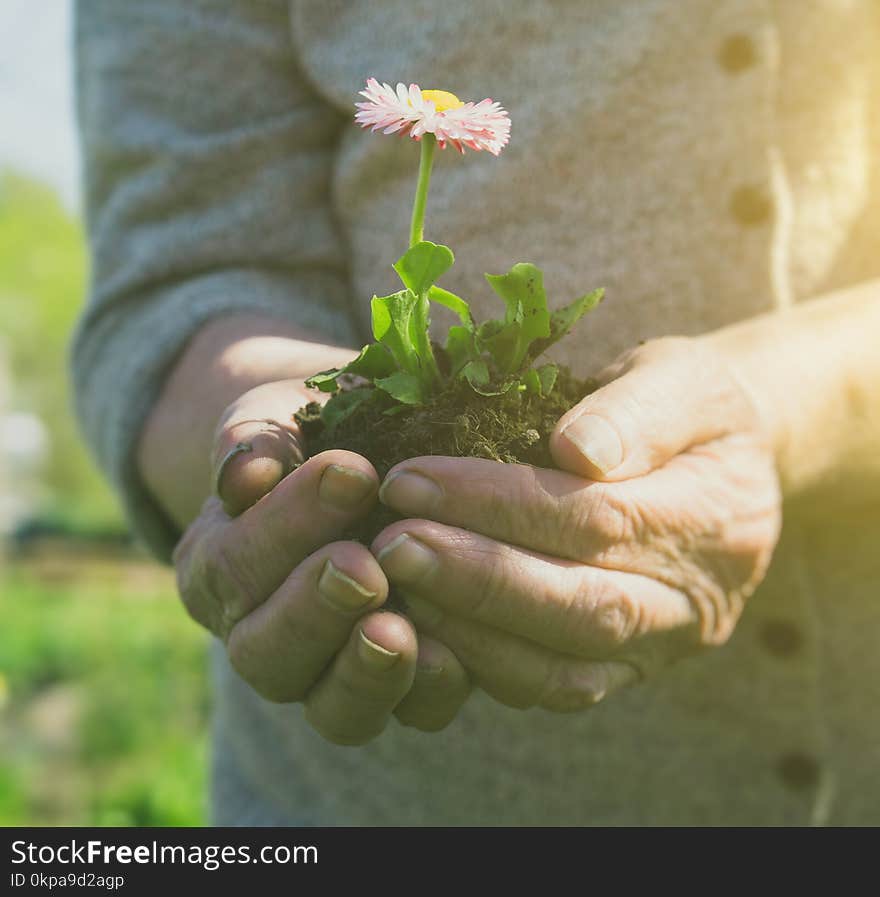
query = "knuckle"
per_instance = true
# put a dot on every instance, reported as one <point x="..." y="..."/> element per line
<point x="717" y="611"/>
<point x="224" y="580"/>
<point x="197" y="584"/>
<point x="597" y="522"/>
<point x="249" y="663"/>
<point x="613" y="617"/>
<point x="616" y="621"/>
<point x="500" y="503"/>
<point x="492" y="583"/>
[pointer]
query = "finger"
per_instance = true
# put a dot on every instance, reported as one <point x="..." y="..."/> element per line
<point x="567" y="607"/>
<point x="282" y="647"/>
<point x="353" y="701"/>
<point x="257" y="444"/>
<point x="517" y="672"/>
<point x="226" y="568"/>
<point x="439" y="690"/>
<point x="546" y="510"/>
<point x="670" y="394"/>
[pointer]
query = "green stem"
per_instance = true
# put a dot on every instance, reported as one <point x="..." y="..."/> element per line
<point x="417" y="225"/>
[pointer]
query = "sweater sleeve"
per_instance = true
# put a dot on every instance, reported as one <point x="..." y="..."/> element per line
<point x="207" y="165"/>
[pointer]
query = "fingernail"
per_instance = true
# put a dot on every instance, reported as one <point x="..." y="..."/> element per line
<point x="238" y="449"/>
<point x="375" y="656"/>
<point x="422" y="612"/>
<point x="596" y="440"/>
<point x="342" y="592"/>
<point x="344" y="487"/>
<point x="405" y="559"/>
<point x="410" y="492"/>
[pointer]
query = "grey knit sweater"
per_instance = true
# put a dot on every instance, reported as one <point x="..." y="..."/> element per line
<point x="703" y="160"/>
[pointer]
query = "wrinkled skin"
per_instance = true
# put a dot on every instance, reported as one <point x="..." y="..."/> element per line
<point x="550" y="588"/>
<point x="299" y="611"/>
<point x="556" y="588"/>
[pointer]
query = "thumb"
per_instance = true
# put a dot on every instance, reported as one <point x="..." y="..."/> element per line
<point x="660" y="400"/>
<point x="257" y="443"/>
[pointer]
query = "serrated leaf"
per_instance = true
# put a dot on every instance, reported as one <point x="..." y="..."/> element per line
<point x="453" y="303"/>
<point x="422" y="265"/>
<point x="343" y="404"/>
<point x="372" y="361"/>
<point x="488" y="329"/>
<point x="392" y="316"/>
<point x="563" y="319"/>
<point x="460" y="348"/>
<point x="522" y="290"/>
<point x="404" y="387"/>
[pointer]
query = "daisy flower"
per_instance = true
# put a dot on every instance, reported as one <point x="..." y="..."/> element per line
<point x="416" y="112"/>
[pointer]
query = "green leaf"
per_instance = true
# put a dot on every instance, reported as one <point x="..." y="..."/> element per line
<point x="547" y="374"/>
<point x="477" y="375"/>
<point x="421" y="265"/>
<point x="324" y="380"/>
<point x="522" y="290"/>
<point x="404" y="387"/>
<point x="418" y="268"/>
<point x="394" y="410"/>
<point x="460" y="348"/>
<point x="562" y="320"/>
<point x="540" y="381"/>
<point x="343" y="404"/>
<point x="505" y="345"/>
<point x="373" y="361"/>
<point x="453" y="303"/>
<point x="392" y="316"/>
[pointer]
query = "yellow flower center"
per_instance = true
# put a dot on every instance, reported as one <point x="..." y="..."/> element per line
<point x="442" y="99"/>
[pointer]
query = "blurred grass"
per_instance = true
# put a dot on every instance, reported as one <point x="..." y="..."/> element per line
<point x="104" y="695"/>
<point x="42" y="283"/>
<point x="103" y="698"/>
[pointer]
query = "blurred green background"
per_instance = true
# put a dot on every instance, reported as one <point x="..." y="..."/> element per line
<point x="103" y="699"/>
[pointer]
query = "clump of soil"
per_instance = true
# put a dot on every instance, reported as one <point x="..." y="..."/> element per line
<point x="513" y="428"/>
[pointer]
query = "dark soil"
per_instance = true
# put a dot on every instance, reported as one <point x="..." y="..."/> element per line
<point x="513" y="428"/>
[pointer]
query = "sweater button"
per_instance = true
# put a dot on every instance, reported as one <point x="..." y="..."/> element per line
<point x="750" y="206"/>
<point x="737" y="54"/>
<point x="781" y="638"/>
<point x="798" y="771"/>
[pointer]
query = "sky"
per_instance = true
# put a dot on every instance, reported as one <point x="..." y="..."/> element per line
<point x="37" y="133"/>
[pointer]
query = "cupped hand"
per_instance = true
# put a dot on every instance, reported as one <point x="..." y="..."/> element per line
<point x="299" y="611"/>
<point x="555" y="588"/>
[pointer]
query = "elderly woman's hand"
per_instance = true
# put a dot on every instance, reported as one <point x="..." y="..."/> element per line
<point x="557" y="587"/>
<point x="299" y="611"/>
